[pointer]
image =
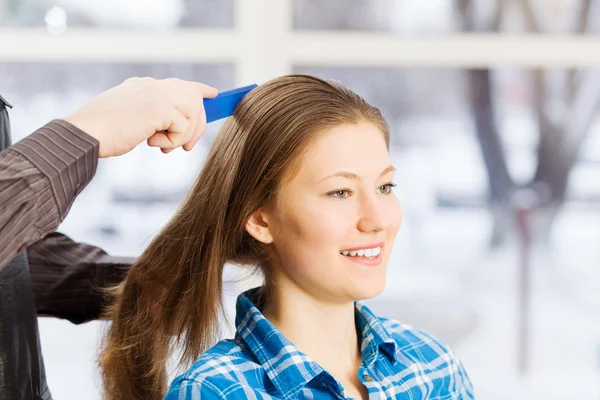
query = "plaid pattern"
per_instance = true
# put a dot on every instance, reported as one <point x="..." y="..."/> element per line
<point x="399" y="362"/>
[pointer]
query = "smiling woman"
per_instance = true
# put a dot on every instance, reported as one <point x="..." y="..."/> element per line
<point x="298" y="184"/>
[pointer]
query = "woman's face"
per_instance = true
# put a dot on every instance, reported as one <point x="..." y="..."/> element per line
<point x="333" y="225"/>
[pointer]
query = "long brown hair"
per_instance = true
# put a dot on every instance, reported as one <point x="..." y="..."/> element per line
<point x="172" y="293"/>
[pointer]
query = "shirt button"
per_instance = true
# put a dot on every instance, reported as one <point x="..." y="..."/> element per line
<point x="367" y="378"/>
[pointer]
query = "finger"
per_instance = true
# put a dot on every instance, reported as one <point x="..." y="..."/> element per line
<point x="181" y="129"/>
<point x="200" y="128"/>
<point x="166" y="151"/>
<point x="180" y="139"/>
<point x="204" y="90"/>
<point x="171" y="120"/>
<point x="195" y="90"/>
<point x="208" y="92"/>
<point x="177" y="139"/>
<point x="166" y="140"/>
<point x="189" y="145"/>
<point x="160" y="140"/>
<point x="186" y="95"/>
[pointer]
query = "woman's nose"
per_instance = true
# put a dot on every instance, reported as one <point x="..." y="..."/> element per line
<point x="372" y="216"/>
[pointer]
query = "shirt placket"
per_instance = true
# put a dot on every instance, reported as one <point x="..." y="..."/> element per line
<point x="368" y="378"/>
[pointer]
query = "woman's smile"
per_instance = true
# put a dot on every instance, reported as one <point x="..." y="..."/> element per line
<point x="364" y="260"/>
<point x="370" y="254"/>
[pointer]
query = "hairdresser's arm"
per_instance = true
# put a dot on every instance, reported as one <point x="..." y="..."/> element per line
<point x="41" y="175"/>
<point x="39" y="178"/>
<point x="69" y="278"/>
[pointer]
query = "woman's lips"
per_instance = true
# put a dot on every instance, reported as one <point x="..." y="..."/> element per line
<point x="367" y="246"/>
<point x="365" y="260"/>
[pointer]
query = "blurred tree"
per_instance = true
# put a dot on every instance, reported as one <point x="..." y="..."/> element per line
<point x="565" y="103"/>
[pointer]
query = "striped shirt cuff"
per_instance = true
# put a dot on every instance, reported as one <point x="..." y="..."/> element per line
<point x="66" y="155"/>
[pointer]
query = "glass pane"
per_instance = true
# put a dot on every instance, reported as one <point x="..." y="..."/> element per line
<point x="374" y="15"/>
<point x="407" y="17"/>
<point x="161" y="14"/>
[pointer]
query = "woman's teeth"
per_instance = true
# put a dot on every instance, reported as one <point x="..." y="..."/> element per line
<point x="362" y="252"/>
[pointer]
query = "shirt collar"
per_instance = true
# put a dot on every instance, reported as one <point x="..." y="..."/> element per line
<point x="375" y="338"/>
<point x="287" y="367"/>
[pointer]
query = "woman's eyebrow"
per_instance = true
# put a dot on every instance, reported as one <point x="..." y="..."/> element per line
<point x="352" y="175"/>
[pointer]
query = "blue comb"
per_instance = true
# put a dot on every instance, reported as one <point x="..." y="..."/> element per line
<point x="223" y="105"/>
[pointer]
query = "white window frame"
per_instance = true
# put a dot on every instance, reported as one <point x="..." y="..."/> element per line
<point x="263" y="45"/>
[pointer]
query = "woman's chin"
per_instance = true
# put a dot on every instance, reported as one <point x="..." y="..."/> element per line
<point x="368" y="290"/>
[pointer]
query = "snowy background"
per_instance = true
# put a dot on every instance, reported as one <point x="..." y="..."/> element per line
<point x="444" y="275"/>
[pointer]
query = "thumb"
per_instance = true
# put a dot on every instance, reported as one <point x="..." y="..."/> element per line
<point x="207" y="91"/>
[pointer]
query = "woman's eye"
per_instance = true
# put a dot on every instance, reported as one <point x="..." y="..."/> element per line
<point x="340" y="194"/>
<point x="344" y="193"/>
<point x="387" y="188"/>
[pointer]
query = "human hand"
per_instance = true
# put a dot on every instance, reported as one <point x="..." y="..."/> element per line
<point x="167" y="113"/>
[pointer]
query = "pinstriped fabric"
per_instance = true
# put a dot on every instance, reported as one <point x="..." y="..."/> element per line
<point x="68" y="278"/>
<point x="39" y="178"/>
<point x="399" y="362"/>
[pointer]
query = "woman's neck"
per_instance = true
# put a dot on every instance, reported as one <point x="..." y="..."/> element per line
<point x="325" y="331"/>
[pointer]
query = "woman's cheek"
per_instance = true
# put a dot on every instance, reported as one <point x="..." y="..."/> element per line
<point x="395" y="214"/>
<point x="330" y="225"/>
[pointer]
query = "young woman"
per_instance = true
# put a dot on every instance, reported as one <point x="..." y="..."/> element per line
<point x="299" y="185"/>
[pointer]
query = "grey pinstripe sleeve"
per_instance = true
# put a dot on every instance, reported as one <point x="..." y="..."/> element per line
<point x="40" y="176"/>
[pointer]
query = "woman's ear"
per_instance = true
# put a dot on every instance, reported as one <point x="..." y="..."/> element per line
<point x="258" y="226"/>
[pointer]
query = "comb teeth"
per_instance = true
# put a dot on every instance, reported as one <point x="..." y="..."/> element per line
<point x="224" y="104"/>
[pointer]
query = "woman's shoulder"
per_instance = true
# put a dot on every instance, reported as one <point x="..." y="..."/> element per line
<point x="430" y="357"/>
<point x="417" y="344"/>
<point x="223" y="371"/>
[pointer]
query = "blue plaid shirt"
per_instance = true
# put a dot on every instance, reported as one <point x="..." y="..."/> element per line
<point x="399" y="362"/>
